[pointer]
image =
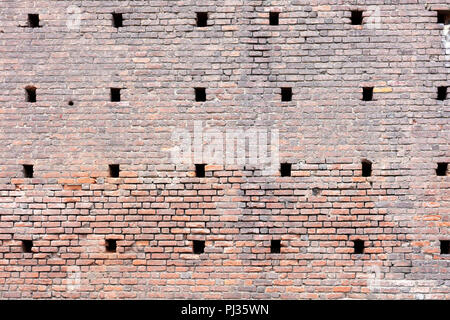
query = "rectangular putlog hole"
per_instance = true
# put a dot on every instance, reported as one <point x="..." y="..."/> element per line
<point x="202" y="19"/>
<point x="28" y="170"/>
<point x="286" y="94"/>
<point x="274" y="18"/>
<point x="27" y="246"/>
<point x="30" y="94"/>
<point x="198" y="246"/>
<point x="441" y="93"/>
<point x="358" y="246"/>
<point x="442" y="168"/>
<point x="117" y="20"/>
<point x="114" y="170"/>
<point x="443" y="16"/>
<point x="200" y="170"/>
<point x="275" y="246"/>
<point x="285" y="169"/>
<point x="111" y="245"/>
<point x="357" y="17"/>
<point x="445" y="246"/>
<point x="367" y="94"/>
<point x="33" y="20"/>
<point x="115" y="94"/>
<point x="366" y="168"/>
<point x="200" y="94"/>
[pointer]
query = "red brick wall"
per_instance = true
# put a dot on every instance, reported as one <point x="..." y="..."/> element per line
<point x="157" y="206"/>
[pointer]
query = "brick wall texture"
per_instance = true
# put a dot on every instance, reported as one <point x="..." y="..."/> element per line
<point x="157" y="207"/>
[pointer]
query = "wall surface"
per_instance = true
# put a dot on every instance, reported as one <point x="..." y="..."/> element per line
<point x="157" y="207"/>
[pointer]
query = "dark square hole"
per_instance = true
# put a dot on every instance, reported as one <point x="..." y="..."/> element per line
<point x="27" y="246"/>
<point x="286" y="94"/>
<point x="442" y="93"/>
<point x="315" y="191"/>
<point x="443" y="16"/>
<point x="275" y="246"/>
<point x="357" y="17"/>
<point x="367" y="94"/>
<point x="30" y="94"/>
<point x="200" y="94"/>
<point x="366" y="167"/>
<point x="200" y="170"/>
<point x="202" y="19"/>
<point x="198" y="246"/>
<point x="274" y="18"/>
<point x="111" y="245"/>
<point x="285" y="169"/>
<point x="33" y="20"/>
<point x="358" y="246"/>
<point x="445" y="246"/>
<point x="117" y="20"/>
<point x="28" y="170"/>
<point x="441" y="169"/>
<point x="114" y="170"/>
<point x="115" y="94"/>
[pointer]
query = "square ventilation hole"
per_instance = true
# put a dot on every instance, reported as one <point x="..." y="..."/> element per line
<point x="358" y="246"/>
<point x="114" y="170"/>
<point x="117" y="20"/>
<point x="275" y="246"/>
<point x="202" y="19"/>
<point x="357" y="17"/>
<point x="286" y="94"/>
<point x="28" y="171"/>
<point x="27" y="246"/>
<point x="115" y="94"/>
<point x="200" y="94"/>
<point x="442" y="93"/>
<point x="111" y="245"/>
<point x="274" y="18"/>
<point x="442" y="168"/>
<point x="198" y="246"/>
<point x="367" y="94"/>
<point x="443" y="16"/>
<point x="366" y="168"/>
<point x="445" y="246"/>
<point x="33" y="20"/>
<point x="30" y="94"/>
<point x="285" y="169"/>
<point x="200" y="170"/>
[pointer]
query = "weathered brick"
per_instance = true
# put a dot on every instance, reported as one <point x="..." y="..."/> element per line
<point x="157" y="206"/>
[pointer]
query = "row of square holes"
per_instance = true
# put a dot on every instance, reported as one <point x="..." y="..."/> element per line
<point x="366" y="168"/>
<point x="443" y="16"/>
<point x="198" y="246"/>
<point x="200" y="94"/>
<point x="285" y="169"/>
